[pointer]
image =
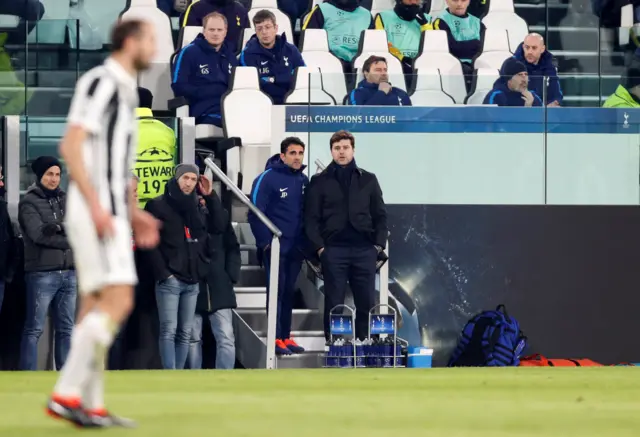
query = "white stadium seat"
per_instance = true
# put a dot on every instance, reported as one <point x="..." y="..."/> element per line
<point x="374" y="43"/>
<point x="157" y="78"/>
<point x="52" y="29"/>
<point x="246" y="105"/>
<point x="187" y="35"/>
<point x="495" y="49"/>
<point x="502" y="15"/>
<point x="315" y="52"/>
<point x="284" y="24"/>
<point x="378" y="6"/>
<point x="434" y="53"/>
<point x="482" y="85"/>
<point x="428" y="90"/>
<point x="100" y="16"/>
<point x="307" y="88"/>
<point x="246" y="36"/>
<point x="437" y="6"/>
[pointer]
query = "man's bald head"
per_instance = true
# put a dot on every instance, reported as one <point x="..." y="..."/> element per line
<point x="533" y="47"/>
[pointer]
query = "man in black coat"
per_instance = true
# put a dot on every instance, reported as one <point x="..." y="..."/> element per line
<point x="217" y="298"/>
<point x="346" y="223"/>
<point x="48" y="263"/>
<point x="7" y="243"/>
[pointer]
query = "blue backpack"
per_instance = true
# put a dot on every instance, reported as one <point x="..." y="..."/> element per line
<point x="489" y="339"/>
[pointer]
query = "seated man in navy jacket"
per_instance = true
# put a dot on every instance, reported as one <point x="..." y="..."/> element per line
<point x="237" y="17"/>
<point x="375" y="89"/>
<point x="202" y="71"/>
<point x="271" y="54"/>
<point x="512" y="87"/>
<point x="539" y="62"/>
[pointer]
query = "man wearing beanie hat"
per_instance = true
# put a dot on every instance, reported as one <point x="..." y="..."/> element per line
<point x="511" y="88"/>
<point x="48" y="263"/>
<point x="181" y="259"/>
<point x="627" y="95"/>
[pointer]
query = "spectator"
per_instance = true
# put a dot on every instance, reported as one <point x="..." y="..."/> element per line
<point x="173" y="8"/>
<point x="278" y="193"/>
<point x="345" y="220"/>
<point x="236" y="19"/>
<point x="539" y="62"/>
<point x="464" y="33"/>
<point x="48" y="264"/>
<point x="627" y="95"/>
<point x="375" y="89"/>
<point x="217" y="299"/>
<point x="29" y="12"/>
<point x="271" y="54"/>
<point x="202" y="71"/>
<point x="7" y="243"/>
<point x="404" y="26"/>
<point x="344" y="21"/>
<point x="156" y="150"/>
<point x="179" y="262"/>
<point x="511" y="88"/>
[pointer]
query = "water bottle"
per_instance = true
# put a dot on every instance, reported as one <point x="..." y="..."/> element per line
<point x="387" y="351"/>
<point x="378" y="352"/>
<point x="360" y="358"/>
<point x="399" y="354"/>
<point x="347" y="351"/>
<point x="329" y="354"/>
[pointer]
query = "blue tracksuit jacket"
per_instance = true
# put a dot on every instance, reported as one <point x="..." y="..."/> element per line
<point x="278" y="192"/>
<point x="202" y="75"/>
<point x="367" y="94"/>
<point x="537" y="73"/>
<point x="275" y="66"/>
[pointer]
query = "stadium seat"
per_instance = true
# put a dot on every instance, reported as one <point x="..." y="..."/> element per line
<point x="314" y="46"/>
<point x="437" y="6"/>
<point x="428" y="89"/>
<point x="378" y="6"/>
<point x="245" y="104"/>
<point x="102" y="15"/>
<point x="246" y="36"/>
<point x="52" y="29"/>
<point x="307" y="88"/>
<point x="284" y="24"/>
<point x="374" y="43"/>
<point x="434" y="53"/>
<point x="481" y="85"/>
<point x="157" y="78"/>
<point x="495" y="49"/>
<point x="187" y="35"/>
<point x="626" y="24"/>
<point x="502" y="15"/>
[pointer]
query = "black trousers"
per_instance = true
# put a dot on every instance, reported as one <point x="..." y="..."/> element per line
<point x="355" y="266"/>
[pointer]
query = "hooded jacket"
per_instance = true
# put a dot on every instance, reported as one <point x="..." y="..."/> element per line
<point x="236" y="15"/>
<point x="621" y="98"/>
<point x="46" y="247"/>
<point x="538" y="72"/>
<point x="202" y="75"/>
<point x="368" y="94"/>
<point x="275" y="66"/>
<point x="278" y="192"/>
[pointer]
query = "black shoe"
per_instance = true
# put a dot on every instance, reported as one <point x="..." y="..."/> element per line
<point x="74" y="415"/>
<point x="109" y="420"/>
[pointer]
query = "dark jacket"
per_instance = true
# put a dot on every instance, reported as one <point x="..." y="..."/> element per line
<point x="7" y="243"/>
<point x="501" y="95"/>
<point x="216" y="290"/>
<point x="202" y="75"/>
<point x="275" y="66"/>
<point x="538" y="72"/>
<point x="46" y="247"/>
<point x="327" y="211"/>
<point x="236" y="14"/>
<point x="185" y="257"/>
<point x="278" y="192"/>
<point x="368" y="94"/>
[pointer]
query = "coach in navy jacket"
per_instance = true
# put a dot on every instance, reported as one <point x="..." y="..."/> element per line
<point x="278" y="193"/>
<point x="202" y="74"/>
<point x="511" y="88"/>
<point x="237" y="17"/>
<point x="369" y="94"/>
<point x="271" y="54"/>
<point x="539" y="63"/>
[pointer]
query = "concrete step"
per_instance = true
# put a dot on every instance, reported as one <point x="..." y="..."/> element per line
<point x="303" y="319"/>
<point x="312" y="341"/>
<point x="572" y="39"/>
<point x="252" y="276"/>
<point x="588" y="86"/>
<point x="251" y="297"/>
<point x="579" y="62"/>
<point x="307" y="360"/>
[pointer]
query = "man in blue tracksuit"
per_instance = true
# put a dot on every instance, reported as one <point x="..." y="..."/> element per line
<point x="278" y="192"/>
<point x="512" y="87"/>
<point x="539" y="62"/>
<point x="271" y="54"/>
<point x="375" y="89"/>
<point x="202" y="71"/>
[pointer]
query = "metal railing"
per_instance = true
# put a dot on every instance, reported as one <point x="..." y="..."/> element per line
<point x="272" y="304"/>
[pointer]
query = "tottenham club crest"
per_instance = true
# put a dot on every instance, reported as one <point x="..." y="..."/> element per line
<point x="286" y="61"/>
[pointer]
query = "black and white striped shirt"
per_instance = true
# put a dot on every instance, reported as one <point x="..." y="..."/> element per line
<point x="104" y="105"/>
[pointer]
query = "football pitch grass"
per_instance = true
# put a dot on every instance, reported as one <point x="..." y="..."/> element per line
<point x="514" y="402"/>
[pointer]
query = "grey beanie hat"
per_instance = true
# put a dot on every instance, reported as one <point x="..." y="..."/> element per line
<point x="181" y="169"/>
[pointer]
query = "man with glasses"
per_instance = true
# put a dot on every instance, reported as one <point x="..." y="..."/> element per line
<point x="271" y="54"/>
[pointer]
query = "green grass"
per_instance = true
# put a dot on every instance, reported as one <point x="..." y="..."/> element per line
<point x="602" y="402"/>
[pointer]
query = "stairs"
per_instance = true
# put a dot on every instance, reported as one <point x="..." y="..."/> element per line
<point x="250" y="318"/>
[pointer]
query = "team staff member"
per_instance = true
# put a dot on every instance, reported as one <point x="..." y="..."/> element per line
<point x="271" y="54"/>
<point x="542" y="73"/>
<point x="155" y="151"/>
<point x="375" y="89"/>
<point x="278" y="193"/>
<point x="345" y="220"/>
<point x="511" y="88"/>
<point x="235" y="15"/>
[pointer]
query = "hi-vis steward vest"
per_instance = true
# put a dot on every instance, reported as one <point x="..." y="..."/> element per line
<point x="404" y="35"/>
<point x="344" y="29"/>
<point x="155" y="156"/>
